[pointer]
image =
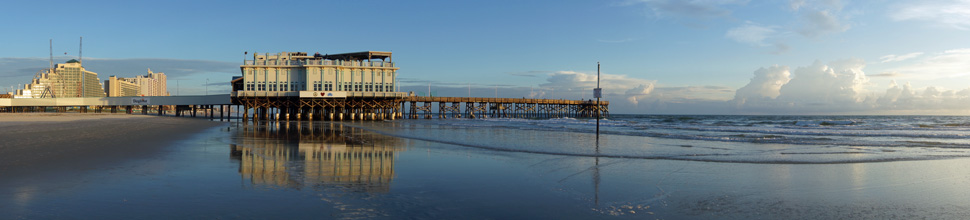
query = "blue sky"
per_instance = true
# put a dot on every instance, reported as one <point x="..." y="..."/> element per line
<point x="658" y="56"/>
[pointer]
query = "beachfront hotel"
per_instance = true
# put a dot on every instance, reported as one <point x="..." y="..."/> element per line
<point x="288" y="73"/>
<point x="66" y="80"/>
<point x="114" y="87"/>
<point x="152" y="84"/>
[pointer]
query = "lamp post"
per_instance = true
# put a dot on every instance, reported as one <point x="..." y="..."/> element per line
<point x="598" y="92"/>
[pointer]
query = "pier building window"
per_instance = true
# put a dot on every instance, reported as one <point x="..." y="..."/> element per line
<point x="272" y="87"/>
<point x="317" y="86"/>
<point x="262" y="86"/>
<point x="328" y="86"/>
<point x="250" y="86"/>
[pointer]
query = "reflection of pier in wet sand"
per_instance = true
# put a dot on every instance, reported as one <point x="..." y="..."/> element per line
<point x="303" y="154"/>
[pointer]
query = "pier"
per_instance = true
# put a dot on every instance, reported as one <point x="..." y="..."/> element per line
<point x="390" y="106"/>
<point x="348" y="106"/>
<point x="422" y="107"/>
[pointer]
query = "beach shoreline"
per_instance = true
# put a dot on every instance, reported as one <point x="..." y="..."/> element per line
<point x="44" y="143"/>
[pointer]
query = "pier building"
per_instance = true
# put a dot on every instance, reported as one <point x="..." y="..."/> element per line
<point x="334" y="86"/>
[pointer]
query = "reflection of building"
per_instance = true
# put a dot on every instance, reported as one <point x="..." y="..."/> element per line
<point x="300" y="154"/>
<point x="115" y="88"/>
<point x="66" y="80"/>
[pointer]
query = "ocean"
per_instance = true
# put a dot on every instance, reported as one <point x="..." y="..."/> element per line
<point x="743" y="139"/>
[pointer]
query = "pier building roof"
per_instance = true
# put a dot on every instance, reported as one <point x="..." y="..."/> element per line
<point x="363" y="55"/>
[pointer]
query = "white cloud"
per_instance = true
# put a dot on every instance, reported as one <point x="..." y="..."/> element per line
<point x="615" y="86"/>
<point x="951" y="14"/>
<point x="766" y="84"/>
<point x="821" y="22"/>
<point x="796" y="4"/>
<point x="840" y="82"/>
<point x="950" y="63"/>
<point x="751" y="33"/>
<point x="897" y="58"/>
<point x="819" y="87"/>
<point x="693" y="9"/>
<point x="840" y="88"/>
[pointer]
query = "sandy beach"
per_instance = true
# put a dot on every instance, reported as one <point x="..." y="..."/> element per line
<point x="35" y="143"/>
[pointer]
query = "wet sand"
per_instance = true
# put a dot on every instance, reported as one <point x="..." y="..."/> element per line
<point x="344" y="171"/>
<point x="41" y="143"/>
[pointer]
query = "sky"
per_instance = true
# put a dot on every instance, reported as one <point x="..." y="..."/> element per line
<point x="656" y="56"/>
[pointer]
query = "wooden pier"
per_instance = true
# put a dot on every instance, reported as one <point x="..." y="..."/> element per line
<point x="354" y="106"/>
<point x="422" y="107"/>
<point x="412" y="107"/>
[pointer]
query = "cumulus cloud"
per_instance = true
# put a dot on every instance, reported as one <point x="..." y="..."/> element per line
<point x="818" y="87"/>
<point x="841" y="82"/>
<point x="751" y="33"/>
<point x="766" y="84"/>
<point x="897" y="58"/>
<point x="932" y="99"/>
<point x="950" y="14"/>
<point x="839" y="87"/>
<point x="617" y="86"/>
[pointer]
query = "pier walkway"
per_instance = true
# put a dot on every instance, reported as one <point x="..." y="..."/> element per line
<point x="421" y="106"/>
<point x="344" y="106"/>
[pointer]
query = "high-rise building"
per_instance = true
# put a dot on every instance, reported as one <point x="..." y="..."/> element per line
<point x="115" y="87"/>
<point x="152" y="84"/>
<point x="66" y="80"/>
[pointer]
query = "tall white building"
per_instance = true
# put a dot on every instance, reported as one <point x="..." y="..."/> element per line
<point x="66" y="80"/>
<point x="152" y="84"/>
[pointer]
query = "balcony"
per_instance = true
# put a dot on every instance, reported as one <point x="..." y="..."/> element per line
<point x="345" y="63"/>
